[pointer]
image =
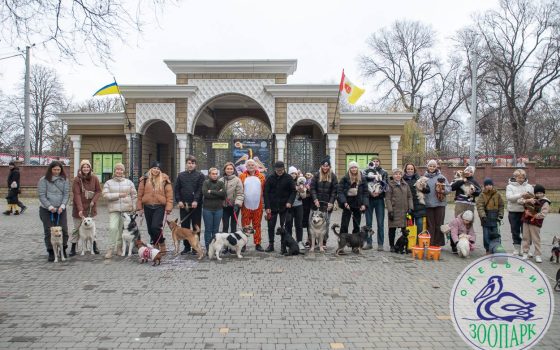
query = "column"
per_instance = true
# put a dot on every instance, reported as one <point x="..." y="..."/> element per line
<point x="280" y="146"/>
<point x="395" y="139"/>
<point x="134" y="160"/>
<point x="77" y="146"/>
<point x="332" y="140"/>
<point x="182" y="140"/>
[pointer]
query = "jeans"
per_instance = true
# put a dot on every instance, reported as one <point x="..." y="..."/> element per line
<point x="419" y="224"/>
<point x="212" y="220"/>
<point x="55" y="220"/>
<point x="154" y="221"/>
<point x="377" y="205"/>
<point x="516" y="226"/>
<point x="356" y="216"/>
<point x="229" y="217"/>
<point x="297" y="221"/>
<point x="195" y="218"/>
<point x="489" y="244"/>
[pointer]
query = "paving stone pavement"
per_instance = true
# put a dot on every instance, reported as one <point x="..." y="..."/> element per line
<point x="378" y="300"/>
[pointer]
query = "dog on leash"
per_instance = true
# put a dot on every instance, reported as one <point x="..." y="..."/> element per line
<point x="234" y="241"/>
<point x="87" y="234"/>
<point x="288" y="245"/>
<point x="179" y="233"/>
<point x="401" y="245"/>
<point x="57" y="242"/>
<point x="317" y="228"/>
<point x="555" y="249"/>
<point x="421" y="184"/>
<point x="148" y="253"/>
<point x="463" y="246"/>
<point x="353" y="240"/>
<point x="130" y="234"/>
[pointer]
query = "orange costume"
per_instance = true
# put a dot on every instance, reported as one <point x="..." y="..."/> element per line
<point x="251" y="212"/>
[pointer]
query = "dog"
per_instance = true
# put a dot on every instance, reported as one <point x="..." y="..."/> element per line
<point x="87" y="234"/>
<point x="530" y="209"/>
<point x="179" y="233"/>
<point x="130" y="234"/>
<point x="147" y="253"/>
<point x="421" y="185"/>
<point x="317" y="228"/>
<point x="401" y="245"/>
<point x="557" y="286"/>
<point x="353" y="240"/>
<point x="440" y="189"/>
<point x="234" y="241"/>
<point x="288" y="245"/>
<point x="57" y="242"/>
<point x="555" y="249"/>
<point x="463" y="246"/>
<point x="467" y="187"/>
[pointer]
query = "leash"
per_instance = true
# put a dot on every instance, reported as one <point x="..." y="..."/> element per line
<point x="234" y="214"/>
<point x="189" y="213"/>
<point x="162" y="227"/>
<point x="57" y="218"/>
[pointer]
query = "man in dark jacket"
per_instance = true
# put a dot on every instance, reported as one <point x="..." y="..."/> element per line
<point x="188" y="195"/>
<point x="376" y="174"/>
<point x="279" y="195"/>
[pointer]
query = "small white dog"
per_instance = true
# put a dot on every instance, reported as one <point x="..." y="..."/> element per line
<point x="57" y="242"/>
<point x="421" y="185"/>
<point x="235" y="241"/>
<point x="87" y="234"/>
<point x="463" y="246"/>
<point x="130" y="233"/>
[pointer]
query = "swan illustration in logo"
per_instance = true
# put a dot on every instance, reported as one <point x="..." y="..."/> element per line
<point x="493" y="304"/>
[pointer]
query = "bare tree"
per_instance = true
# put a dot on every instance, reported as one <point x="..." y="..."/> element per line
<point x="401" y="62"/>
<point x="100" y="104"/>
<point x="246" y="128"/>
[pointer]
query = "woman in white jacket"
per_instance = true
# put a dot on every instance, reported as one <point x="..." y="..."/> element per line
<point x="121" y="197"/>
<point x="517" y="187"/>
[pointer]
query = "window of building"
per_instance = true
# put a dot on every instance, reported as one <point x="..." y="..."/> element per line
<point x="104" y="163"/>
<point x="361" y="158"/>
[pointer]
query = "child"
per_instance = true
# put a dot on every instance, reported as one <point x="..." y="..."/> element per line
<point x="490" y="207"/>
<point x="463" y="224"/>
<point x="532" y="223"/>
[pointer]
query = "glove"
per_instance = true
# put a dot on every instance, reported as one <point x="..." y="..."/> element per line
<point x="391" y="216"/>
<point x="441" y="180"/>
<point x="426" y="190"/>
<point x="483" y="221"/>
<point x="236" y="208"/>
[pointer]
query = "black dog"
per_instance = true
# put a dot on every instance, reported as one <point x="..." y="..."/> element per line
<point x="401" y="246"/>
<point x="555" y="249"/>
<point x="352" y="240"/>
<point x="288" y="245"/>
<point x="557" y="286"/>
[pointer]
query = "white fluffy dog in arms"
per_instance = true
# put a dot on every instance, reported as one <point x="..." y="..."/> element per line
<point x="57" y="242"/>
<point x="235" y="241"/>
<point x="463" y="246"/>
<point x="87" y="234"/>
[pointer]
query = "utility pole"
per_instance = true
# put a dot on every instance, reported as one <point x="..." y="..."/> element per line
<point x="26" y="103"/>
<point x="474" y="70"/>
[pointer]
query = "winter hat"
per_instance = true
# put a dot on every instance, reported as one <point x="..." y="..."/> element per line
<point x="470" y="169"/>
<point x="352" y="165"/>
<point x="279" y="164"/>
<point x="468" y="215"/>
<point x="488" y="181"/>
<point x="155" y="164"/>
<point x="12" y="163"/>
<point x="84" y="162"/>
<point x="292" y="170"/>
<point x="376" y="157"/>
<point x="397" y="170"/>
<point x="539" y="188"/>
<point x="326" y="161"/>
<point x="432" y="161"/>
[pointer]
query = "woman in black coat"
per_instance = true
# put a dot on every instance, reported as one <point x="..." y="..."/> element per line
<point x="13" y="192"/>
<point x="410" y="177"/>
<point x="352" y="198"/>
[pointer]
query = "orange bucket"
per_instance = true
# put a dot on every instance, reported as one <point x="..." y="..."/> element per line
<point x="418" y="252"/>
<point x="433" y="253"/>
<point x="424" y="240"/>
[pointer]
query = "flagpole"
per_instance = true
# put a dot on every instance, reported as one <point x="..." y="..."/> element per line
<point x="129" y="124"/>
<point x="132" y="135"/>
<point x="333" y="124"/>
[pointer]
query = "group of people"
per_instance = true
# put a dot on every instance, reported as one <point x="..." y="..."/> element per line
<point x="287" y="198"/>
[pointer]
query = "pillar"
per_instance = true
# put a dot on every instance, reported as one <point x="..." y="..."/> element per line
<point x="280" y="146"/>
<point x="332" y="141"/>
<point x="394" y="148"/>
<point x="182" y="140"/>
<point x="77" y="146"/>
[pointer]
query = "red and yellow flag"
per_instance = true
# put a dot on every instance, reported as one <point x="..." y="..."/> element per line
<point x="351" y="91"/>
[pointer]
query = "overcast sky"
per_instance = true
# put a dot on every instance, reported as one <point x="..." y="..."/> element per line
<point x="324" y="36"/>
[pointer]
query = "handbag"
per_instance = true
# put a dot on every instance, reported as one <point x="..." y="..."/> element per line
<point x="87" y="194"/>
<point x="14" y="184"/>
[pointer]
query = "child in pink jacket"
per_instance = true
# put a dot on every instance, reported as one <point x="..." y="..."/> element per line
<point x="463" y="224"/>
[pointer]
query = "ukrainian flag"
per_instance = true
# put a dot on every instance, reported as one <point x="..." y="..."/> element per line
<point x="110" y="89"/>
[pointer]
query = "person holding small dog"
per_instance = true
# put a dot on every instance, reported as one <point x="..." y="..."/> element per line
<point x="376" y="202"/>
<point x="516" y="188"/>
<point x="352" y="198"/>
<point x="324" y="186"/>
<point x="398" y="201"/>
<point x="54" y="192"/>
<point x="85" y="191"/>
<point x="532" y="223"/>
<point x="296" y="218"/>
<point x="490" y="207"/>
<point x="13" y="191"/>
<point x="234" y="200"/>
<point x="463" y="224"/>
<point x="279" y="196"/>
<point x="464" y="201"/>
<point x="120" y="194"/>
<point x="213" y="193"/>
<point x="419" y="212"/>
<point x="436" y="192"/>
<point x="155" y="201"/>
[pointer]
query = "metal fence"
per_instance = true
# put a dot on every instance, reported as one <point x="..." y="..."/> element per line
<point x="305" y="153"/>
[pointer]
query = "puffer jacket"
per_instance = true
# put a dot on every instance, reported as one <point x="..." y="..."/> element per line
<point x="431" y="198"/>
<point x="419" y="208"/>
<point x="234" y="189"/>
<point x="324" y="191"/>
<point x="398" y="201"/>
<point x="458" y="227"/>
<point x="514" y="191"/>
<point x="357" y="200"/>
<point x="490" y="207"/>
<point x="112" y="190"/>
<point x="148" y="195"/>
<point x="53" y="193"/>
<point x="81" y="203"/>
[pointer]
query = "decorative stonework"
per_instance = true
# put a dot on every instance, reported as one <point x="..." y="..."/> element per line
<point x="307" y="111"/>
<point x="146" y="112"/>
<point x="210" y="88"/>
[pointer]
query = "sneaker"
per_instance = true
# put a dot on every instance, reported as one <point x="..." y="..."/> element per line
<point x="379" y="248"/>
<point x="392" y="249"/>
<point x="269" y="249"/>
<point x="301" y="246"/>
<point x="7" y="212"/>
<point x="22" y="210"/>
<point x="538" y="259"/>
<point x="368" y="247"/>
<point x="530" y="255"/>
<point x="185" y="252"/>
<point x="16" y="212"/>
<point x="259" y="248"/>
<point x="525" y="256"/>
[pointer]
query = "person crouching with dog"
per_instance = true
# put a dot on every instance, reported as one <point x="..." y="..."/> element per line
<point x="120" y="194"/>
<point x="398" y="201"/>
<point x="352" y="198"/>
<point x="54" y="192"/>
<point x="85" y="191"/>
<point x="490" y="207"/>
<point x="463" y="224"/>
<point x="533" y="218"/>
<point x="155" y="200"/>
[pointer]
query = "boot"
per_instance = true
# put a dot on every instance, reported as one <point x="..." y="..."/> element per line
<point x="73" y="249"/>
<point x="51" y="255"/>
<point x="109" y="253"/>
<point x="8" y="212"/>
<point x="16" y="212"/>
<point x="95" y="251"/>
<point x="162" y="248"/>
<point x="64" y="252"/>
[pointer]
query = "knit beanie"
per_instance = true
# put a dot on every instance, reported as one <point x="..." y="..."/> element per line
<point x="352" y="165"/>
<point x="468" y="215"/>
<point x="155" y="164"/>
<point x="488" y="181"/>
<point x="539" y="188"/>
<point x="326" y="161"/>
<point x="470" y="169"/>
<point x="292" y="170"/>
<point x="279" y="165"/>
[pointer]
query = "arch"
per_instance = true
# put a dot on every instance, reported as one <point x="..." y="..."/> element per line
<point x="307" y="121"/>
<point x="234" y="120"/>
<point x="149" y="113"/>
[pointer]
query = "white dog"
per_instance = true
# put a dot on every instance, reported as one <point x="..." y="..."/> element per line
<point x="317" y="228"/>
<point x="235" y="241"/>
<point x="87" y="234"/>
<point x="421" y="185"/>
<point x="463" y="246"/>
<point x="57" y="242"/>
<point x="130" y="233"/>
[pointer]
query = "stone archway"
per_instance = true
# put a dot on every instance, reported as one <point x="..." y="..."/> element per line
<point x="158" y="143"/>
<point x="306" y="146"/>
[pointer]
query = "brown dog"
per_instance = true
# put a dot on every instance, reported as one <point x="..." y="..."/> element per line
<point x="179" y="233"/>
<point x="148" y="253"/>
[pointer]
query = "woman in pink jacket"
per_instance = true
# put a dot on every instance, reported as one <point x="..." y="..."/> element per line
<point x="463" y="224"/>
